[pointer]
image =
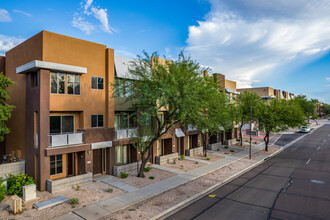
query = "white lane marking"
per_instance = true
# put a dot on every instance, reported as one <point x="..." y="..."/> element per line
<point x="275" y="140"/>
<point x="294" y="148"/>
<point x="308" y="161"/>
<point x="318" y="148"/>
<point x="317" y="181"/>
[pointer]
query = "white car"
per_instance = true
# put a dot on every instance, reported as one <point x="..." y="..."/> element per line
<point x="305" y="129"/>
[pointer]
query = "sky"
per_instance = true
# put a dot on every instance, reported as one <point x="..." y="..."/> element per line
<point x="281" y="44"/>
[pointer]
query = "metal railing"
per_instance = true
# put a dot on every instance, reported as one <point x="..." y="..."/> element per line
<point x="126" y="133"/>
<point x="56" y="140"/>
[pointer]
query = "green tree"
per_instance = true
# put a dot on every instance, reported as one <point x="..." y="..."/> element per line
<point x="176" y="88"/>
<point x="308" y="106"/>
<point x="279" y="115"/>
<point x="244" y="102"/>
<point x="5" y="109"/>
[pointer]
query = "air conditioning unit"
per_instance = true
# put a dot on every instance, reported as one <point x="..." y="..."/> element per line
<point x="15" y="204"/>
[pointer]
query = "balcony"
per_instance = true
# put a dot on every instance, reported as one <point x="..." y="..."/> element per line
<point x="56" y="140"/>
<point x="191" y="128"/>
<point x="126" y="133"/>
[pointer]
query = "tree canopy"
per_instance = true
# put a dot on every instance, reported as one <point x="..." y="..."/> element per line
<point x="5" y="109"/>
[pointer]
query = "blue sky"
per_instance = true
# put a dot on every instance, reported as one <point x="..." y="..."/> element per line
<point x="256" y="43"/>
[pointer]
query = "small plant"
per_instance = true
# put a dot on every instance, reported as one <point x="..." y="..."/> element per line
<point x="151" y="177"/>
<point x="232" y="151"/>
<point x="256" y="142"/>
<point x="196" y="162"/>
<point x="74" y="201"/>
<point x="208" y="158"/>
<point x="123" y="175"/>
<point x="15" y="183"/>
<point x="110" y="190"/>
<point x="76" y="187"/>
<point x="226" y="146"/>
<point x="147" y="169"/>
<point x="131" y="210"/>
<point x="247" y="140"/>
<point x="181" y="166"/>
<point x="218" y="149"/>
<point x="2" y="189"/>
<point x="182" y="157"/>
<point x="174" y="161"/>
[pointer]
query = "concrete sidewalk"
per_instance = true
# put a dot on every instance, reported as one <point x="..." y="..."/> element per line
<point x="109" y="206"/>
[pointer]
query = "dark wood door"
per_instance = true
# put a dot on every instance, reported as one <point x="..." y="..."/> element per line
<point x="194" y="141"/>
<point x="180" y="145"/>
<point x="168" y="146"/>
<point x="97" y="161"/>
<point x="81" y="162"/>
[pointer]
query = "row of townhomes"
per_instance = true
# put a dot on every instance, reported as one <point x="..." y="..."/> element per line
<point x="68" y="120"/>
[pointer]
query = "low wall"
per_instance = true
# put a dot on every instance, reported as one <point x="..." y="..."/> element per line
<point x="194" y="151"/>
<point x="166" y="158"/>
<point x="54" y="186"/>
<point x="253" y="133"/>
<point x="12" y="168"/>
<point x="231" y="141"/>
<point x="214" y="146"/>
<point x="125" y="168"/>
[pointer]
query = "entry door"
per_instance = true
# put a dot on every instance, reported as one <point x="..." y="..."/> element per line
<point x="81" y="162"/>
<point x="180" y="145"/>
<point x="97" y="161"/>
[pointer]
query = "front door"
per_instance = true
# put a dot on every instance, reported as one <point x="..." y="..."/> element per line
<point x="97" y="161"/>
<point x="81" y="162"/>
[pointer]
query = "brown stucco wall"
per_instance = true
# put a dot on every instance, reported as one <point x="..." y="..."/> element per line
<point x="2" y="64"/>
<point x="23" y="53"/>
<point x="262" y="91"/>
<point x="220" y="79"/>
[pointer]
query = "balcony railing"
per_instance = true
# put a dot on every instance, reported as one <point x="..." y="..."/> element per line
<point x="126" y="133"/>
<point x="191" y="128"/>
<point x="56" y="140"/>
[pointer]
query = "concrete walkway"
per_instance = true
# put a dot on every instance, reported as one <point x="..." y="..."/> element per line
<point x="197" y="160"/>
<point x="171" y="170"/>
<point x="109" y="206"/>
<point x="111" y="180"/>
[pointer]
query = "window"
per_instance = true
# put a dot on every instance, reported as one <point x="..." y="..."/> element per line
<point x="123" y="87"/>
<point x="97" y="121"/>
<point x="125" y="121"/>
<point x="97" y="82"/>
<point x="121" y="155"/>
<point x="61" y="124"/>
<point x="228" y="96"/>
<point x="34" y="79"/>
<point x="73" y="84"/>
<point x="57" y="81"/>
<point x="56" y="164"/>
<point x="234" y="96"/>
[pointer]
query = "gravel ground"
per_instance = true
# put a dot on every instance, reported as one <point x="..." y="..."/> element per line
<point x="158" y="175"/>
<point x="184" y="165"/>
<point x="87" y="195"/>
<point x="160" y="203"/>
<point x="228" y="150"/>
<point x="213" y="157"/>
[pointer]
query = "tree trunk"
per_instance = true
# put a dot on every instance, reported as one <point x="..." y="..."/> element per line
<point x="204" y="145"/>
<point x="240" y="134"/>
<point x="144" y="162"/>
<point x="266" y="139"/>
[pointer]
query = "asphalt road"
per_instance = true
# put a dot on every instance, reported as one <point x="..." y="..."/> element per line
<point x="295" y="184"/>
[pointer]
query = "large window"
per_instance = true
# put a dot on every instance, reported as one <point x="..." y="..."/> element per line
<point x="123" y="87"/>
<point x="57" y="82"/>
<point x="73" y="84"/>
<point x="97" y="82"/>
<point x="97" y="121"/>
<point x="125" y="121"/>
<point x="60" y="124"/>
<point x="121" y="155"/>
<point x="56" y="164"/>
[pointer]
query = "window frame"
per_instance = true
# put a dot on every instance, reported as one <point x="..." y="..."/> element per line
<point x="74" y="127"/>
<point x="97" y="121"/>
<point x="97" y="82"/>
<point x="73" y="83"/>
<point x="56" y="161"/>
<point x="57" y="83"/>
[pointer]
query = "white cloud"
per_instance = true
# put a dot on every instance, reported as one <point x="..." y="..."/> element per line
<point x="83" y="18"/>
<point x="22" y="12"/>
<point x="8" y="42"/>
<point x="327" y="79"/>
<point x="244" y="39"/>
<point x="4" y="16"/>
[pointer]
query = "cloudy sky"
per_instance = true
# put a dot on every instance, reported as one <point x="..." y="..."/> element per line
<point x="282" y="44"/>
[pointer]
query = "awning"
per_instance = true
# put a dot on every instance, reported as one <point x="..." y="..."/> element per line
<point x="38" y="64"/>
<point x="100" y="145"/>
<point x="231" y="91"/>
<point x="179" y="132"/>
<point x="268" y="97"/>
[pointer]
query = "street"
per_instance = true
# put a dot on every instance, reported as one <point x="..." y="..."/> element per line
<point x="295" y="184"/>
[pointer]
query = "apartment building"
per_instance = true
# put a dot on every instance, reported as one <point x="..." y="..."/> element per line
<point x="269" y="93"/>
<point x="67" y="121"/>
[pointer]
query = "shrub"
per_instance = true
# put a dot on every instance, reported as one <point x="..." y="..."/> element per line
<point x="232" y="151"/>
<point x="74" y="201"/>
<point x="208" y="158"/>
<point x="174" y="161"/>
<point x="181" y="166"/>
<point x="247" y="140"/>
<point x="226" y="147"/>
<point x="15" y="183"/>
<point x="147" y="169"/>
<point x="77" y="187"/>
<point x="256" y="142"/>
<point x="218" y="149"/>
<point x="110" y="190"/>
<point x="196" y="162"/>
<point x="151" y="177"/>
<point x="123" y="175"/>
<point x="2" y="189"/>
<point x="182" y="157"/>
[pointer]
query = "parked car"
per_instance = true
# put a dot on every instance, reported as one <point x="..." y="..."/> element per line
<point x="305" y="129"/>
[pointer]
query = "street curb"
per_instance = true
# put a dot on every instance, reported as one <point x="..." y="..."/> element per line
<point x="181" y="205"/>
<point x="192" y="199"/>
